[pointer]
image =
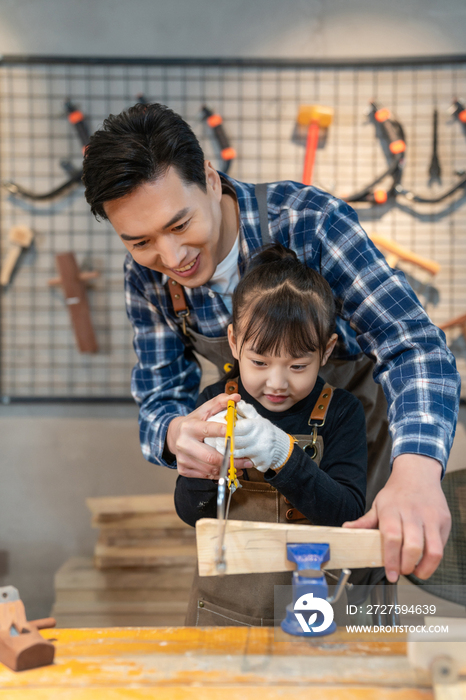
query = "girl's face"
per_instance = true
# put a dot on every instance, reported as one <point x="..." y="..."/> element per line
<point x="278" y="382"/>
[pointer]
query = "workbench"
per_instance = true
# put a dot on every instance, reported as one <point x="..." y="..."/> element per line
<point x="221" y="663"/>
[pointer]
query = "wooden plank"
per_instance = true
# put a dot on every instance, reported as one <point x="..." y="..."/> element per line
<point x="261" y="547"/>
<point x="120" y="596"/>
<point x="167" y="533"/>
<point x="220" y="692"/>
<point x="99" y="620"/>
<point x="139" y="521"/>
<point x="151" y="607"/>
<point x="107" y="557"/>
<point x="232" y="641"/>
<point x="125" y="542"/>
<point x="80" y="573"/>
<point x="117" y="505"/>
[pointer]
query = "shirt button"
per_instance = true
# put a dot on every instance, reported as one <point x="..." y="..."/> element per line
<point x="211" y="294"/>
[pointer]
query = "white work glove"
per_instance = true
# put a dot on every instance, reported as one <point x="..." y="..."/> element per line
<point x="256" y="438"/>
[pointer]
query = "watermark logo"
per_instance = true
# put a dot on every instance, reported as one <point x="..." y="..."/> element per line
<point x="307" y="603"/>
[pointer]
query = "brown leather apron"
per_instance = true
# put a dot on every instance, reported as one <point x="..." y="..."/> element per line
<point x="356" y="376"/>
<point x="248" y="599"/>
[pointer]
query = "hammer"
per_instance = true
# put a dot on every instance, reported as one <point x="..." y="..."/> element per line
<point x="314" y="118"/>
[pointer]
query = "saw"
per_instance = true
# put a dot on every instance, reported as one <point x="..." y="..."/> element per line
<point x="228" y="480"/>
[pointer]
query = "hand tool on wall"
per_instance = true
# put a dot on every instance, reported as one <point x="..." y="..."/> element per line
<point x="398" y="252"/>
<point x="73" y="283"/>
<point x="313" y="121"/>
<point x="392" y="137"/>
<point x="20" y="238"/>
<point x="227" y="478"/>
<point x="457" y="322"/>
<point x="21" y="645"/>
<point x="435" y="170"/>
<point x="215" y="122"/>
<point x="459" y="112"/>
<point x="79" y="121"/>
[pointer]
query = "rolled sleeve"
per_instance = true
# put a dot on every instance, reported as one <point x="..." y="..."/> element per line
<point x="165" y="380"/>
<point x="416" y="369"/>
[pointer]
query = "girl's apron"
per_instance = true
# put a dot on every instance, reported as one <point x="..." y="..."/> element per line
<point x="353" y="375"/>
<point x="248" y="599"/>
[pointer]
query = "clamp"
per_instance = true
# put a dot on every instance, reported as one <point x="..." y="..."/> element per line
<point x="310" y="592"/>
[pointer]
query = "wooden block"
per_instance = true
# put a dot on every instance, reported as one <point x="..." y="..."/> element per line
<point x="115" y="620"/>
<point x="107" y="557"/>
<point x="151" y="607"/>
<point x="113" y="540"/>
<point x="113" y="505"/>
<point x="132" y="595"/>
<point x="424" y="650"/>
<point x="76" y="300"/>
<point x="154" y="521"/>
<point x="255" y="547"/>
<point x="147" y="534"/>
<point x="78" y="573"/>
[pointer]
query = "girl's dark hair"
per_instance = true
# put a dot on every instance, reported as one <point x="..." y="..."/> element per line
<point x="138" y="146"/>
<point x="283" y="306"/>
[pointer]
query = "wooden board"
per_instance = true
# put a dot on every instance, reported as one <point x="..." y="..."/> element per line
<point x="254" y="547"/>
<point x="78" y="573"/>
<point x="108" y="557"/>
<point x="76" y="299"/>
<point x="139" y="607"/>
<point x="127" y="542"/>
<point x="117" y="505"/>
<point x="155" y="521"/>
<point x="132" y="595"/>
<point x="227" y="663"/>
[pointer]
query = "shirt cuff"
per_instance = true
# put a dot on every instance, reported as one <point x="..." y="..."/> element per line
<point x="153" y="438"/>
<point x="422" y="439"/>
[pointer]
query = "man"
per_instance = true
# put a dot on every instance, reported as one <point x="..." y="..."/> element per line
<point x="189" y="232"/>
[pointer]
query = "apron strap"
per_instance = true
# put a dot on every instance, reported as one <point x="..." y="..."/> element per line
<point x="260" y="191"/>
<point x="179" y="302"/>
<point x="319" y="412"/>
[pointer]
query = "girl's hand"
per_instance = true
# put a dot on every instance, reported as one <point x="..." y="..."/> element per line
<point x="185" y="440"/>
<point x="267" y="446"/>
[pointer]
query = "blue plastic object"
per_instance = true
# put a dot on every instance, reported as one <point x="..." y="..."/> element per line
<point x="310" y="614"/>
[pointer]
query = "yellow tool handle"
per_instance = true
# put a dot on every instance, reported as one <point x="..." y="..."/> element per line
<point x="231" y="420"/>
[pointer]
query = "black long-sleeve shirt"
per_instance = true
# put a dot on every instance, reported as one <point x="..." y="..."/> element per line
<point x="326" y="495"/>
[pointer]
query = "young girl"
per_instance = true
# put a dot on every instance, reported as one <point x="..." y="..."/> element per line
<point x="306" y="440"/>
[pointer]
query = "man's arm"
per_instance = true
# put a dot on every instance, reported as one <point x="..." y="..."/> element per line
<point x="165" y="384"/>
<point x="418" y="374"/>
<point x="412" y="362"/>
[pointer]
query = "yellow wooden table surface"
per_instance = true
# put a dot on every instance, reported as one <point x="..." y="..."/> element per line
<point x="219" y="663"/>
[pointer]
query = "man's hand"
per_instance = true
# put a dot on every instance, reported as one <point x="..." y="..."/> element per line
<point x="412" y="514"/>
<point x="185" y="440"/>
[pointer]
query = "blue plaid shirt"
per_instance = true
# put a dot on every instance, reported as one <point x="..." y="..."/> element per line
<point x="378" y="314"/>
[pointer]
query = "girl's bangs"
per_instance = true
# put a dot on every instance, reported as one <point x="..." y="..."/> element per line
<point x="277" y="326"/>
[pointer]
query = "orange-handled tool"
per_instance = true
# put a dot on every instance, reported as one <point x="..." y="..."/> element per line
<point x="315" y="117"/>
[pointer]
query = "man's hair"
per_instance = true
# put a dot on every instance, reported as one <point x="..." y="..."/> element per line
<point x="138" y="146"/>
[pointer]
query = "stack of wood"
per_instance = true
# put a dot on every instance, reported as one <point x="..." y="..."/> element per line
<point x="142" y="569"/>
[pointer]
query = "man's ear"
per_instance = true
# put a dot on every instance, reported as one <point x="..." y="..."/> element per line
<point x="329" y="348"/>
<point x="213" y="179"/>
<point x="232" y="342"/>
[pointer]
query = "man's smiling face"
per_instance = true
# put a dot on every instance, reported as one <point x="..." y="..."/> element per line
<point x="173" y="227"/>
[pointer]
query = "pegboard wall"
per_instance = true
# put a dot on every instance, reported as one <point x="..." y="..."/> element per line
<point x="259" y="102"/>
